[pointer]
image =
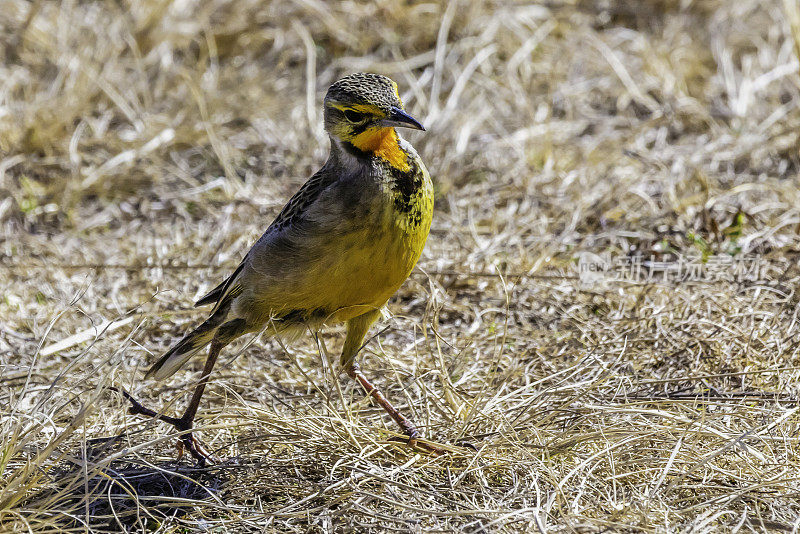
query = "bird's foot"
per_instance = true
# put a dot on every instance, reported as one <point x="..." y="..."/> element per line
<point x="415" y="441"/>
<point x="419" y="444"/>
<point x="196" y="449"/>
<point x="425" y="446"/>
<point x="414" y="438"/>
<point x="186" y="443"/>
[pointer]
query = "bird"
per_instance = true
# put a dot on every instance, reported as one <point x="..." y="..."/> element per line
<point x="338" y="250"/>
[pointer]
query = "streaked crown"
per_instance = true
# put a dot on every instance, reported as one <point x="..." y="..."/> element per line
<point x="367" y="89"/>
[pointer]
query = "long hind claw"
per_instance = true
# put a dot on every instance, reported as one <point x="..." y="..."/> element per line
<point x="420" y="444"/>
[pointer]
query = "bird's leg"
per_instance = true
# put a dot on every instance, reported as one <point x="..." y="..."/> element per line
<point x="414" y="437"/>
<point x="357" y="328"/>
<point x="184" y="423"/>
<point x="408" y="427"/>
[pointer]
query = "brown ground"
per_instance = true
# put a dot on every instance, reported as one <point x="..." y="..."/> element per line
<point x="143" y="148"/>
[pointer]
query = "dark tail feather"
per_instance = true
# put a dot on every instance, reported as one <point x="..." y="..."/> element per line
<point x="179" y="354"/>
<point x="212" y="296"/>
<point x="194" y="341"/>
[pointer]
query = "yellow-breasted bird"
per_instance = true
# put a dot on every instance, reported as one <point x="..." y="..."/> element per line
<point x="345" y="242"/>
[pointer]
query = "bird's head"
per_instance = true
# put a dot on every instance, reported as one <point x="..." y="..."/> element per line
<point x="362" y="109"/>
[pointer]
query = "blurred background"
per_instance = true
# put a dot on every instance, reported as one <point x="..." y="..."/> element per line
<point x="144" y="146"/>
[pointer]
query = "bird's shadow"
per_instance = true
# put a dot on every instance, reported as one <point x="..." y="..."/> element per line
<point x="132" y="494"/>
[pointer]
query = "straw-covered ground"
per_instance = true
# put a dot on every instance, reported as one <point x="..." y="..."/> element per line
<point x="606" y="309"/>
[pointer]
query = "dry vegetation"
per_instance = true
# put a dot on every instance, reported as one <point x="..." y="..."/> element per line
<point x="145" y="145"/>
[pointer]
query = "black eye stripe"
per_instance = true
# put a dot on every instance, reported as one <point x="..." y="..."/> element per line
<point x="354" y="116"/>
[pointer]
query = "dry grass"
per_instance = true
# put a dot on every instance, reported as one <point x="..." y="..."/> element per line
<point x="143" y="148"/>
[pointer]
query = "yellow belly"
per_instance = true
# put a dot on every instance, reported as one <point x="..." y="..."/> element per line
<point x="351" y="273"/>
<point x="368" y="267"/>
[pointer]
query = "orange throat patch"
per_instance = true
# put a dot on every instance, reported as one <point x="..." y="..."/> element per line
<point x="383" y="143"/>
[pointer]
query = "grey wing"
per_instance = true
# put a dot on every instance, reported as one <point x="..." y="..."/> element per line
<point x="306" y="267"/>
<point x="290" y="214"/>
<point x="300" y="201"/>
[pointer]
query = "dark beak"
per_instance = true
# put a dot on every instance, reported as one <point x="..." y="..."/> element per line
<point x="398" y="117"/>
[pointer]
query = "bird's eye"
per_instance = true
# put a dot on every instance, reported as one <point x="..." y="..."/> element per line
<point x="354" y="116"/>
